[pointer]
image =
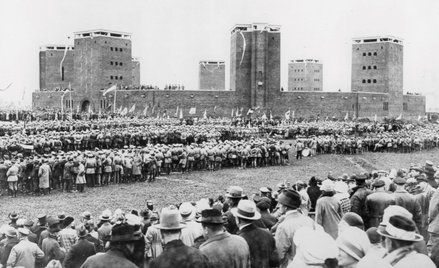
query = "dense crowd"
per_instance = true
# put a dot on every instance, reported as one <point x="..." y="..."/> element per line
<point x="377" y="219"/>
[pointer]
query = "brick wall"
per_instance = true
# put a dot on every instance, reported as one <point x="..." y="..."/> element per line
<point x="50" y="75"/>
<point x="212" y="76"/>
<point x="415" y="106"/>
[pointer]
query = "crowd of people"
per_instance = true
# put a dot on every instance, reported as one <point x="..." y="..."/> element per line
<point x="376" y="219"/>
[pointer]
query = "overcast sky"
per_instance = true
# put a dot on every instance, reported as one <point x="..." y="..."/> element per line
<point x="171" y="36"/>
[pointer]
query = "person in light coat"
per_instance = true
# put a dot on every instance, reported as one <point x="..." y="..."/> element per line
<point x="44" y="173"/>
<point x="25" y="253"/>
<point x="290" y="221"/>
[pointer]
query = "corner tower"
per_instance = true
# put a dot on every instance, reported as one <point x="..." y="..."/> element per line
<point x="377" y="66"/>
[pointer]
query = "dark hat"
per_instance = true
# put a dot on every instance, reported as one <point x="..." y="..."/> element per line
<point x="13" y="215"/>
<point x="400" y="228"/>
<point x="353" y="219"/>
<point x="81" y="231"/>
<point x="373" y="235"/>
<point x="211" y="216"/>
<point x="68" y="220"/>
<point x="264" y="203"/>
<point x="378" y="183"/>
<point x="399" y="181"/>
<point x="360" y="177"/>
<point x="234" y="192"/>
<point x="42" y="218"/>
<point x="86" y="215"/>
<point x="290" y="198"/>
<point x="125" y="233"/>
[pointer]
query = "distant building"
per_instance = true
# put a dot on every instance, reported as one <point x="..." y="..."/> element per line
<point x="377" y="66"/>
<point x="212" y="75"/>
<point x="305" y="75"/>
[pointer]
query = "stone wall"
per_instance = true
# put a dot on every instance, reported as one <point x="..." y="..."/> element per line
<point x="50" y="75"/>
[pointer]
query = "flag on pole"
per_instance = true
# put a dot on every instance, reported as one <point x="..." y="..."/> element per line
<point x="214" y="109"/>
<point x="375" y="118"/>
<point x="287" y="115"/>
<point x="237" y="112"/>
<point x="120" y="109"/>
<point x="176" y="112"/>
<point x="399" y="117"/>
<point x="181" y="114"/>
<point x="205" y="114"/>
<point x="293" y="116"/>
<point x="110" y="89"/>
<point x="232" y="113"/>
<point x="132" y="109"/>
<point x="62" y="61"/>
<point x="419" y="117"/>
<point x="145" y="110"/>
<point x="271" y="116"/>
<point x="193" y="110"/>
<point x="347" y="116"/>
<point x="250" y="111"/>
<point x="264" y="117"/>
<point x="124" y="111"/>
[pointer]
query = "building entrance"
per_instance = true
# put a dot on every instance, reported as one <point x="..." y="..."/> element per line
<point x="85" y="106"/>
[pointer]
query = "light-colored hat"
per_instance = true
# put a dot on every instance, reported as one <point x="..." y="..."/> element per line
<point x="400" y="228"/>
<point x="310" y="252"/>
<point x="170" y="220"/>
<point x="341" y="187"/>
<point x="234" y="192"/>
<point x="23" y="231"/>
<point x="354" y="242"/>
<point x="246" y="210"/>
<point x="187" y="210"/>
<point x="327" y="185"/>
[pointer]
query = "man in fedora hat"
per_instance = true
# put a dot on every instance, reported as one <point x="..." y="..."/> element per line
<point x="67" y="235"/>
<point x="233" y="196"/>
<point x="289" y="202"/>
<point x="10" y="241"/>
<point x="25" y="253"/>
<point x="175" y="252"/>
<point x="399" y="237"/>
<point x="105" y="229"/>
<point x="223" y="250"/>
<point x="122" y="246"/>
<point x="80" y="251"/>
<point x="261" y="243"/>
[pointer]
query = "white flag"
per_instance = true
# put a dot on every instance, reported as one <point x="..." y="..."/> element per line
<point x="375" y="118"/>
<point x="145" y="110"/>
<point x="108" y="90"/>
<point x="176" y="112"/>
<point x="287" y="115"/>
<point x="193" y="110"/>
<point x="205" y="114"/>
<point x="399" y="117"/>
<point x="124" y="111"/>
<point x="250" y="111"/>
<point x="132" y="109"/>
<point x="347" y="116"/>
<point x="181" y="114"/>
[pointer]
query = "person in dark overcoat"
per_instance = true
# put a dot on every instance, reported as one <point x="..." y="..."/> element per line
<point x="80" y="251"/>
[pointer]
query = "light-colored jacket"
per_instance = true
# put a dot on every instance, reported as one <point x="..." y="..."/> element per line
<point x="44" y="175"/>
<point x="285" y="233"/>
<point x="226" y="251"/>
<point x="328" y="214"/>
<point x="24" y="254"/>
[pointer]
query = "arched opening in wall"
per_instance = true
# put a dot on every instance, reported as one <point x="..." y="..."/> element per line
<point x="85" y="106"/>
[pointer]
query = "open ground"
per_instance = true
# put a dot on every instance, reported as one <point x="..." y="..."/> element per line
<point x="177" y="188"/>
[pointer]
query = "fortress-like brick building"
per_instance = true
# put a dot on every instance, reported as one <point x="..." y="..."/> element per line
<point x="102" y="58"/>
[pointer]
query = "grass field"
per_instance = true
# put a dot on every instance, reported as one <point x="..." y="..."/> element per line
<point x="177" y="188"/>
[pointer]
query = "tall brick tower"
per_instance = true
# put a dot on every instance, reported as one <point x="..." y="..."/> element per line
<point x="255" y="63"/>
<point x="102" y="58"/>
<point x="305" y="75"/>
<point x="377" y="66"/>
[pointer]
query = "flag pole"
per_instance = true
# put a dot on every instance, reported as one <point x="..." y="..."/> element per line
<point x="114" y="104"/>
